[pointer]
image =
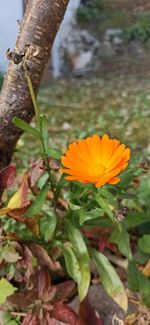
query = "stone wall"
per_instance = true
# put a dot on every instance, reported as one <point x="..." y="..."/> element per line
<point x="81" y="53"/>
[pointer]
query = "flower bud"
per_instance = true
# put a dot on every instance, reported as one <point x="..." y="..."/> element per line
<point x="145" y="165"/>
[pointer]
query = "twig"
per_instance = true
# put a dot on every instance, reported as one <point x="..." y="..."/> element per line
<point x="18" y="314"/>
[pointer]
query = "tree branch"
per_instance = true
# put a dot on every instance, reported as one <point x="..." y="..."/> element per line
<point x="39" y="27"/>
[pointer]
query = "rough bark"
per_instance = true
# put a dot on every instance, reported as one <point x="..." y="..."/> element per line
<point x="39" y="27"/>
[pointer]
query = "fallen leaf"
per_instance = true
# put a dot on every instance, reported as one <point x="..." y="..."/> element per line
<point x="34" y="173"/>
<point x="20" y="197"/>
<point x="7" y="176"/>
<point x="88" y="315"/>
<point x="146" y="270"/>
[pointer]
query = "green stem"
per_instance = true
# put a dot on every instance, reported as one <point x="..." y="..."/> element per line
<point x="37" y="112"/>
<point x="33" y="98"/>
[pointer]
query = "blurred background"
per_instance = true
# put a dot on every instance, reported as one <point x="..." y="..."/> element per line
<point x="96" y="37"/>
<point x="99" y="69"/>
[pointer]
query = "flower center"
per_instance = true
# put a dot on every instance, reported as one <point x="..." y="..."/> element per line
<point x="97" y="170"/>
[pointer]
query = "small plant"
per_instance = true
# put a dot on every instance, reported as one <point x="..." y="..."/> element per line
<point x="91" y="11"/>
<point x="52" y="226"/>
<point x="139" y="30"/>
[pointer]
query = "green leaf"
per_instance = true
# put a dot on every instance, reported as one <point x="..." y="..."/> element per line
<point x="90" y="215"/>
<point x="120" y="237"/>
<point x="138" y="282"/>
<point x="9" y="254"/>
<point x="43" y="180"/>
<point x="144" y="244"/>
<point x="99" y="222"/>
<point x="133" y="278"/>
<point x="6" y="290"/>
<point x="26" y="127"/>
<point x="81" y="252"/>
<point x="126" y="178"/>
<point x="74" y="207"/>
<point x="110" y="279"/>
<point x="107" y="194"/>
<point x="135" y="219"/>
<point x="6" y="318"/>
<point x="54" y="153"/>
<point x="72" y="264"/>
<point x="44" y="131"/>
<point x="59" y="186"/>
<point x="38" y="202"/>
<point x="48" y="226"/>
<point x="104" y="205"/>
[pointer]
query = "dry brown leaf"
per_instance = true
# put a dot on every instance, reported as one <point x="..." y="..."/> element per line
<point x="146" y="270"/>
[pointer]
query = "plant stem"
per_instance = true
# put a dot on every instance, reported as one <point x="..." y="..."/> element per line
<point x="37" y="112"/>
<point x="33" y="98"/>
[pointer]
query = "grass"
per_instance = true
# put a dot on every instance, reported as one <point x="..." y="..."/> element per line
<point x="119" y="107"/>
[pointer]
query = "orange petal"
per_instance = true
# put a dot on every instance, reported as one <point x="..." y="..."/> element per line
<point x="95" y="160"/>
<point x="114" y="180"/>
<point x="116" y="157"/>
<point x="107" y="149"/>
<point x="108" y="176"/>
<point x="125" y="157"/>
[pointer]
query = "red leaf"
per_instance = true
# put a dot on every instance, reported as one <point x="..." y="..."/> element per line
<point x="87" y="314"/>
<point x="43" y="257"/>
<point x="22" y="301"/>
<point x="48" y="320"/>
<point x="31" y="320"/>
<point x="24" y="190"/>
<point x="45" y="291"/>
<point x="26" y="263"/>
<point x="7" y="176"/>
<point x="104" y="243"/>
<point x="35" y="172"/>
<point x="19" y="212"/>
<point x="33" y="225"/>
<point x="64" y="313"/>
<point x="64" y="290"/>
<point x="53" y="164"/>
<point x="99" y="238"/>
<point x="93" y="232"/>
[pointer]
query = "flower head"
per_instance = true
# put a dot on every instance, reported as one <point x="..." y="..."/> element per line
<point x="95" y="160"/>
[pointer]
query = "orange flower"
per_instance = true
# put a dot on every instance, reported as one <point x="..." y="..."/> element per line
<point x="95" y="160"/>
